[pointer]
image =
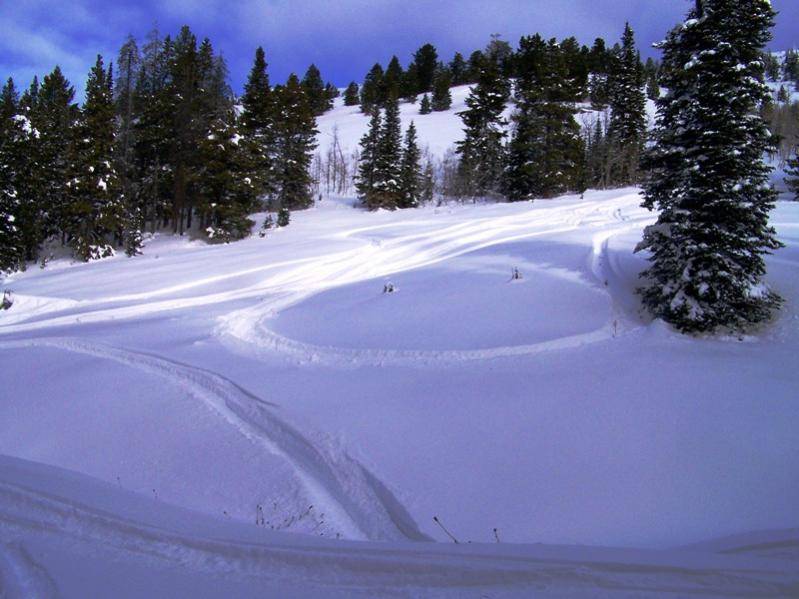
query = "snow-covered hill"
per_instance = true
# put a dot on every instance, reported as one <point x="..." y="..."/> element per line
<point x="261" y="418"/>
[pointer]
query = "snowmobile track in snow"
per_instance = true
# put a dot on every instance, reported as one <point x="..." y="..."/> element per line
<point x="354" y="499"/>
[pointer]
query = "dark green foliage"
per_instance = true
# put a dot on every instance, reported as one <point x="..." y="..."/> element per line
<point x="96" y="212"/>
<point x="258" y="127"/>
<point x="387" y="191"/>
<point x="475" y="66"/>
<point x="393" y="79"/>
<point x="792" y="171"/>
<point x="16" y="169"/>
<point x="426" y="62"/>
<point x="352" y="95"/>
<point x="707" y="176"/>
<point x="773" y="66"/>
<point x="317" y="95"/>
<point x="367" y="164"/>
<point x="482" y="153"/>
<point x="791" y="66"/>
<point x="546" y="153"/>
<point x="627" y="129"/>
<point x="53" y="115"/>
<point x="410" y="180"/>
<point x="409" y="90"/>
<point x="442" y="98"/>
<point x="425" y="106"/>
<point x="459" y="70"/>
<point x="283" y="217"/>
<point x="226" y="192"/>
<point x="296" y="141"/>
<point x="372" y="90"/>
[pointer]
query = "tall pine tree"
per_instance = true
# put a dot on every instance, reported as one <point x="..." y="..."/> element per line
<point x="482" y="153"/>
<point x="546" y="152"/>
<point x="706" y="173"/>
<point x="627" y="129"/>
<point x="410" y="179"/>
<point x="96" y="209"/>
<point x="296" y="141"/>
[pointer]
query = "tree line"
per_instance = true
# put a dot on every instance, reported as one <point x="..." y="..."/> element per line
<point x="160" y="142"/>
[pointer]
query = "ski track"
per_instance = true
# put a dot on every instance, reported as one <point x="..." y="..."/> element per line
<point x="372" y="569"/>
<point x="247" y="330"/>
<point x="21" y="576"/>
<point x="359" y="505"/>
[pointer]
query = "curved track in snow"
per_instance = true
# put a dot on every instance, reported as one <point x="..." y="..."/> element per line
<point x="65" y="511"/>
<point x="248" y="330"/>
<point x="354" y="499"/>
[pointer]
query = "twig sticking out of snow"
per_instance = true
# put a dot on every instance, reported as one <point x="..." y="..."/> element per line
<point x="449" y="534"/>
<point x="496" y="535"/>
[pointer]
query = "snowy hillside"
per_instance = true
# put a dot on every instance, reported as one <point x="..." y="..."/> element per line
<point x="270" y="385"/>
<point x="437" y="131"/>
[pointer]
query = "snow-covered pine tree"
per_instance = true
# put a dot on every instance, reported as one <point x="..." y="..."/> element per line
<point x="153" y="130"/>
<point x="425" y="106"/>
<point x="314" y="89"/>
<point x="365" y="180"/>
<point x="352" y="95"/>
<point x="442" y="98"/>
<point x="546" y="154"/>
<point x="16" y="134"/>
<point x="707" y="175"/>
<point x="627" y="129"/>
<point x="792" y="172"/>
<point x="96" y="210"/>
<point x="296" y="134"/>
<point x="481" y="152"/>
<point x="226" y="190"/>
<point x="257" y="125"/>
<point x="410" y="170"/>
<point x="388" y="161"/>
<point x="53" y="114"/>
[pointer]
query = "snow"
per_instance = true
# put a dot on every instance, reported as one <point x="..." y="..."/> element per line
<point x="260" y="419"/>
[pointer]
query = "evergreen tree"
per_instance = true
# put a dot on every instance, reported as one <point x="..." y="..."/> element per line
<point x="53" y="115"/>
<point x="153" y="130"/>
<point x="365" y="182"/>
<point x="96" y="208"/>
<point x="352" y="95"/>
<point x="314" y="89"/>
<point x="296" y="142"/>
<point x="773" y="66"/>
<point x="459" y="70"/>
<point x="227" y="192"/>
<point x="410" y="183"/>
<point x="388" y="161"/>
<point x="372" y="90"/>
<point x="482" y="150"/>
<point x="16" y="139"/>
<point x="792" y="170"/>
<point x="546" y="153"/>
<point x="627" y="129"/>
<point x="425" y="106"/>
<point x="426" y="62"/>
<point x="707" y="176"/>
<point x="791" y="66"/>
<point x="442" y="98"/>
<point x="652" y="88"/>
<point x="393" y="78"/>
<point x="476" y="60"/>
<point x="409" y="90"/>
<point x="258" y="126"/>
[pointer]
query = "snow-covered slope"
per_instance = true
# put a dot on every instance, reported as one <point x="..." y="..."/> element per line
<point x="271" y="385"/>
<point x="261" y="419"/>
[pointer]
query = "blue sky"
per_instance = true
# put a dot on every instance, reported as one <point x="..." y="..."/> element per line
<point x="343" y="37"/>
